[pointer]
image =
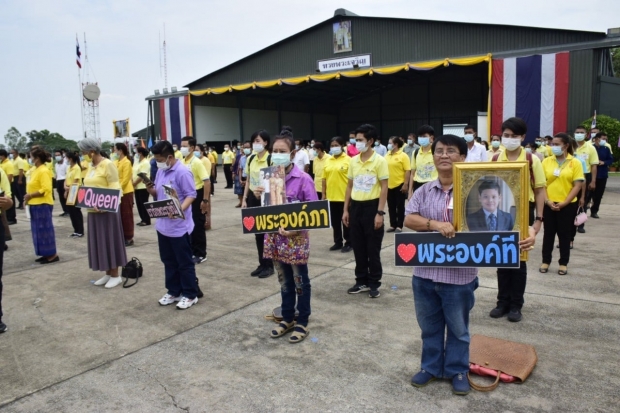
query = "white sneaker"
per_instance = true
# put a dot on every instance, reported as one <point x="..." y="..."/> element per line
<point x="113" y="282"/>
<point x="103" y="280"/>
<point x="186" y="303"/>
<point x="169" y="299"/>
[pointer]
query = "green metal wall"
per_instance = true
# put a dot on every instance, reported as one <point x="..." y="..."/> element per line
<point x="581" y="87"/>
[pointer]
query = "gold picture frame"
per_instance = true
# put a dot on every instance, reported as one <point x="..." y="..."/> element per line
<point x="72" y="196"/>
<point x="507" y="175"/>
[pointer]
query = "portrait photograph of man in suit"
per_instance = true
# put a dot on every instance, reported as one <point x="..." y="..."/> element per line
<point x="490" y="216"/>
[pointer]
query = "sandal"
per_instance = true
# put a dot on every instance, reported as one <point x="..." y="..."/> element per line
<point x="563" y="270"/>
<point x="544" y="268"/>
<point x="282" y="329"/>
<point x="299" y="334"/>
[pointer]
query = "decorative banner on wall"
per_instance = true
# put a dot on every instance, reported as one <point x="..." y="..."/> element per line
<point x="103" y="199"/>
<point x="292" y="217"/>
<point x="465" y="250"/>
<point x="162" y="209"/>
<point x="344" y="63"/>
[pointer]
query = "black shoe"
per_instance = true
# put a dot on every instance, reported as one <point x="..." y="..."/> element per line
<point x="346" y="248"/>
<point x="13" y="222"/>
<point x="356" y="289"/>
<point x="45" y="261"/>
<point x="129" y="243"/>
<point x="267" y="272"/>
<point x="374" y="293"/>
<point x="594" y="215"/>
<point x="257" y="271"/>
<point x="498" y="312"/>
<point x="581" y="230"/>
<point x="3" y="327"/>
<point x="335" y="247"/>
<point x="200" y="293"/>
<point x="6" y="247"/>
<point x="515" y="316"/>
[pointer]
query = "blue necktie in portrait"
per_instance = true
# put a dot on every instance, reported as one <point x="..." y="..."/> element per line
<point x="492" y="222"/>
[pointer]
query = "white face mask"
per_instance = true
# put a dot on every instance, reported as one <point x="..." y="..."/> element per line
<point x="580" y="137"/>
<point x="162" y="166"/>
<point x="174" y="148"/>
<point x="335" y="150"/>
<point x="602" y="142"/>
<point x="247" y="151"/>
<point x="297" y="147"/>
<point x="258" y="147"/>
<point x="390" y="147"/>
<point x="511" y="144"/>
<point x="184" y="151"/>
<point x="409" y="141"/>
<point x="361" y="147"/>
<point x="226" y="148"/>
<point x="469" y="138"/>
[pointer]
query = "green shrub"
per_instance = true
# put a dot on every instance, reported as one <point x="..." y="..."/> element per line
<point x="611" y="127"/>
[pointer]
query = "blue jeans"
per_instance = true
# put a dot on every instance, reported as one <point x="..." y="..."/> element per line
<point x="176" y="254"/>
<point x="295" y="286"/>
<point x="438" y="306"/>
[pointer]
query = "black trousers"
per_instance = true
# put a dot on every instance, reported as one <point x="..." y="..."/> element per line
<point x="562" y="224"/>
<point x="10" y="213"/>
<point x="417" y="185"/>
<point x="341" y="231"/>
<point x="366" y="242"/>
<point x="199" y="236"/>
<point x="228" y="175"/>
<point x="20" y="191"/>
<point x="77" y="220"/>
<point x="142" y="196"/>
<point x="589" y="195"/>
<point x="396" y="206"/>
<point x="597" y="197"/>
<point x="60" y="188"/>
<point x="252" y="201"/>
<point x="1" y="264"/>
<point x="319" y="194"/>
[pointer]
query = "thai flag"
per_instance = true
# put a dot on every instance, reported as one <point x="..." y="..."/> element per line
<point x="175" y="119"/>
<point x="79" y="55"/>
<point x="534" y="88"/>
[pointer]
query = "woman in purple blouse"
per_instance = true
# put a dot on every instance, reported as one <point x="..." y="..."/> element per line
<point x="290" y="250"/>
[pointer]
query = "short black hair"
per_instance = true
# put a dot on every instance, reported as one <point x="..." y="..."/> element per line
<point x="516" y="125"/>
<point x="581" y="127"/>
<point x="142" y="151"/>
<point x="451" y="140"/>
<point x="4" y="153"/>
<point x="352" y="132"/>
<point x="426" y="130"/>
<point x="598" y="135"/>
<point x="264" y="136"/>
<point x="369" y="131"/>
<point x="340" y="140"/>
<point x="489" y="185"/>
<point x="163" y="148"/>
<point x="472" y="127"/>
<point x="319" y="146"/>
<point x="191" y="141"/>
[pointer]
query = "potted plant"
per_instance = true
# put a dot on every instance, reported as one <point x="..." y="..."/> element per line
<point x="614" y="166"/>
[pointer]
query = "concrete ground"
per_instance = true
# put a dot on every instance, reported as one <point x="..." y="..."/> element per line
<point x="74" y="347"/>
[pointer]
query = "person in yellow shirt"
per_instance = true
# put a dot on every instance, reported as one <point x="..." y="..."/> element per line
<point x="422" y="163"/>
<point x="6" y="202"/>
<point x="399" y="166"/>
<point x="177" y="153"/>
<point x="565" y="178"/>
<point x="141" y="164"/>
<point x="106" y="246"/>
<point x="120" y="157"/>
<point x="9" y="169"/>
<point x="228" y="158"/>
<point x="541" y="147"/>
<point x="587" y="153"/>
<point x="209" y="155"/>
<point x="200" y="203"/>
<point x="334" y="188"/>
<point x="200" y="153"/>
<point x="366" y="196"/>
<point x="252" y="193"/>
<point x="496" y="147"/>
<point x="215" y="161"/>
<point x="19" y="178"/>
<point x="74" y="177"/>
<point x="40" y="202"/>
<point x="321" y="158"/>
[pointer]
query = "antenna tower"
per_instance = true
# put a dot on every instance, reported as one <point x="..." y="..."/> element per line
<point x="165" y="61"/>
<point x="90" y="101"/>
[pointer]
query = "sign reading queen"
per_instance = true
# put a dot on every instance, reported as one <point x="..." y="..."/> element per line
<point x="344" y="63"/>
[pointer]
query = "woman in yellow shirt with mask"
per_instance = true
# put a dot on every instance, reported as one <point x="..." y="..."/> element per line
<point x="335" y="180"/>
<point x="39" y="199"/>
<point x="106" y="249"/>
<point x="74" y="176"/>
<point x="125" y="172"/>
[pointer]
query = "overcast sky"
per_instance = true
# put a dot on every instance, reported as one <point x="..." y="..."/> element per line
<point x="39" y="75"/>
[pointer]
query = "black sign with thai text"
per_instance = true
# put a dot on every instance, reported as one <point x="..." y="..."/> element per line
<point x="292" y="217"/>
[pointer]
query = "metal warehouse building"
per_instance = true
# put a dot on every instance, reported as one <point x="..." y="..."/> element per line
<point x="396" y="74"/>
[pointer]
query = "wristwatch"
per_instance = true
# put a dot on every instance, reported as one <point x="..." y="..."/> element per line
<point x="541" y="219"/>
<point x="206" y="201"/>
<point x="382" y="213"/>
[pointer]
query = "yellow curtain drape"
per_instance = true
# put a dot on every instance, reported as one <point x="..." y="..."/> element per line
<point x="390" y="70"/>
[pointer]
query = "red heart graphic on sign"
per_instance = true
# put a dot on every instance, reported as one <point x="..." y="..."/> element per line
<point x="406" y="252"/>
<point x="248" y="223"/>
<point x="81" y="194"/>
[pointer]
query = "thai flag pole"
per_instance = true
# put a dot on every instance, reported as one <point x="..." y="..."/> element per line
<point x="78" y="61"/>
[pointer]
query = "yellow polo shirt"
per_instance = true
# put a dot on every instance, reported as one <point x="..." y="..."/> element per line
<point x="73" y="173"/>
<point x="124" y="175"/>
<point x="18" y="164"/>
<point x="539" y="174"/>
<point x="318" y="166"/>
<point x="8" y="168"/>
<point x="559" y="187"/>
<point x="336" y="175"/>
<point x="544" y="150"/>
<point x="587" y="152"/>
<point x="5" y="185"/>
<point x="424" y="166"/>
<point x="50" y="166"/>
<point x="85" y="165"/>
<point x="398" y="165"/>
<point x="228" y="157"/>
<point x="253" y="171"/>
<point x="143" y="166"/>
<point x="491" y="154"/>
<point x="40" y="181"/>
<point x="215" y="156"/>
<point x="178" y="155"/>
<point x="207" y="164"/>
<point x="366" y="176"/>
<point x="198" y="170"/>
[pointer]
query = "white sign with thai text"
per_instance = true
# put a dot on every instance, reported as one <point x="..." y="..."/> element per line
<point x="344" y="63"/>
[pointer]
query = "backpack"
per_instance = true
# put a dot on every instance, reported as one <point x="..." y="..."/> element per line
<point x="254" y="155"/>
<point x="133" y="269"/>
<point x="528" y="156"/>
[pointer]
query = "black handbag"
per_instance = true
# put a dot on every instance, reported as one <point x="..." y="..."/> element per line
<point x="133" y="269"/>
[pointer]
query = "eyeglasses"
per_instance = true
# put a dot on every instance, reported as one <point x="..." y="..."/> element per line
<point x="449" y="152"/>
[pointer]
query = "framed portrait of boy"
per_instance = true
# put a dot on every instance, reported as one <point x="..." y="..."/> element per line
<point x="492" y="196"/>
<point x="72" y="196"/>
